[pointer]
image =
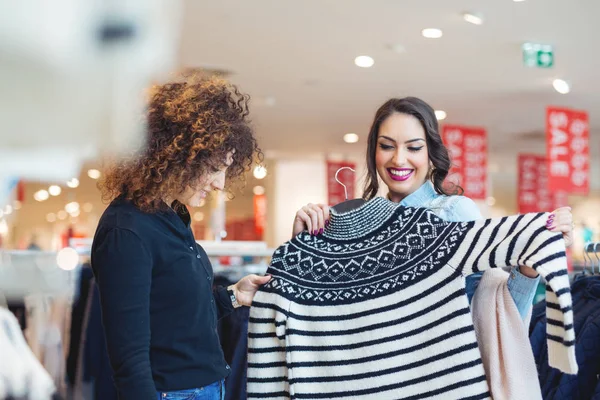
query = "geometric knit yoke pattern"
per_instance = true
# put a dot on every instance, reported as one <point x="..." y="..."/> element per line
<point x="375" y="308"/>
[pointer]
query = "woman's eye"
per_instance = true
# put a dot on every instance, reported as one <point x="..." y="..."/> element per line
<point x="385" y="146"/>
<point x="415" y="149"/>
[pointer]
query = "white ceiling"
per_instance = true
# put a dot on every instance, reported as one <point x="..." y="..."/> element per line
<point x="302" y="53"/>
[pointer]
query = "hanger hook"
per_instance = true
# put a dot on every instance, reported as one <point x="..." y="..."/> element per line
<point x="338" y="181"/>
<point x="585" y="256"/>
<point x="596" y="255"/>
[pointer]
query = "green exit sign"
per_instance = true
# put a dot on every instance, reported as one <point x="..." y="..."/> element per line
<point x="538" y="55"/>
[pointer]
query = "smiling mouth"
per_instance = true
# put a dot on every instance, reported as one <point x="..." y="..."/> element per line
<point x="400" y="174"/>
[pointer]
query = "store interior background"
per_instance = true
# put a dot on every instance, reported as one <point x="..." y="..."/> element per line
<point x="297" y="61"/>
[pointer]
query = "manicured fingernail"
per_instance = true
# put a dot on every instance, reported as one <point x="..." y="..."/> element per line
<point x="326" y="223"/>
<point x="320" y="231"/>
<point x="315" y="233"/>
<point x="551" y="228"/>
<point x="551" y="216"/>
<point x="549" y="222"/>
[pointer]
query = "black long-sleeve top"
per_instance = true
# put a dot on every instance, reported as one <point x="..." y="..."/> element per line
<point x="158" y="308"/>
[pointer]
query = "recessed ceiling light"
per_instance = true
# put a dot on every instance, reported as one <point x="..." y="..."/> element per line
<point x="473" y="18"/>
<point x="440" y="114"/>
<point x="260" y="172"/>
<point x="432" y="33"/>
<point x="62" y="214"/>
<point x="73" y="183"/>
<point x="54" y="190"/>
<point x="51" y="217"/>
<point x="41" y="195"/>
<point x="258" y="190"/>
<point x="350" y="138"/>
<point x="93" y="173"/>
<point x="364" y="61"/>
<point x="561" y="86"/>
<point x="72" y="207"/>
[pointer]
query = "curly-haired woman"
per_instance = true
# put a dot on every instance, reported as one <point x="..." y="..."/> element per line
<point x="158" y="307"/>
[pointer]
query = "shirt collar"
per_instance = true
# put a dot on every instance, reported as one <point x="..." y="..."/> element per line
<point x="421" y="196"/>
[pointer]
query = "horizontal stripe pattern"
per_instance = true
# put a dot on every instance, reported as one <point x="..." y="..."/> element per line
<point x="394" y="341"/>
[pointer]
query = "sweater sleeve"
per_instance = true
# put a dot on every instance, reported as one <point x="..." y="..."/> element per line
<point x="524" y="240"/>
<point x="123" y="269"/>
<point x="267" y="356"/>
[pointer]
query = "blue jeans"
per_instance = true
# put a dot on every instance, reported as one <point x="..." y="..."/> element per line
<point x="214" y="391"/>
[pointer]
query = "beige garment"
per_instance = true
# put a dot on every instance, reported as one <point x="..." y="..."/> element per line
<point x="503" y="339"/>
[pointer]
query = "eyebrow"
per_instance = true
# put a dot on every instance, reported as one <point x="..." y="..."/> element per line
<point x="408" y="141"/>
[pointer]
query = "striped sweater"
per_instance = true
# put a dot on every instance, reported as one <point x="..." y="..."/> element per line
<point x="375" y="307"/>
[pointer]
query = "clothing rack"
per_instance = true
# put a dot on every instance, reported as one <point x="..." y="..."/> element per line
<point x="594" y="265"/>
<point x="26" y="272"/>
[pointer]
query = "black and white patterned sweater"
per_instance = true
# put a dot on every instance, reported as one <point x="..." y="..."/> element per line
<point x="375" y="307"/>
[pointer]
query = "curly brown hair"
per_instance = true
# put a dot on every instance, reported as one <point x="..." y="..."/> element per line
<point x="192" y="125"/>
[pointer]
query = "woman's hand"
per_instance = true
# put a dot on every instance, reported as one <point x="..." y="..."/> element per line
<point x="245" y="289"/>
<point x="313" y="218"/>
<point x="561" y="220"/>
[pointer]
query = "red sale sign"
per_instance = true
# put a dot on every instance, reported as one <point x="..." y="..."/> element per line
<point x="567" y="140"/>
<point x="534" y="195"/>
<point x="468" y="150"/>
<point x="335" y="191"/>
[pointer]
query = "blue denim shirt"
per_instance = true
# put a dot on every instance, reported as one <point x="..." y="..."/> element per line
<point x="461" y="209"/>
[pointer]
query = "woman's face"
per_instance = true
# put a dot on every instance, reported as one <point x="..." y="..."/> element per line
<point x="209" y="182"/>
<point x="401" y="156"/>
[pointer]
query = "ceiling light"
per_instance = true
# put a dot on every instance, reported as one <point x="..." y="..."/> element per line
<point x="432" y="33"/>
<point x="8" y="209"/>
<point x="473" y="18"/>
<point x="198" y="216"/>
<point x="54" y="190"/>
<point x="67" y="259"/>
<point x="3" y="227"/>
<point x="73" y="183"/>
<point x="17" y="205"/>
<point x="491" y="201"/>
<point x="51" y="217"/>
<point x="88" y="207"/>
<point x="350" y="138"/>
<point x="93" y="173"/>
<point x="75" y="213"/>
<point x="440" y="115"/>
<point x="561" y="86"/>
<point x="364" y="61"/>
<point x="72" y="207"/>
<point x="62" y="214"/>
<point x="258" y="190"/>
<point x="41" y="195"/>
<point x="260" y="172"/>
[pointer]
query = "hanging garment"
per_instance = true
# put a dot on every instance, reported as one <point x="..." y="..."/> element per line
<point x="586" y="307"/>
<point x="503" y="340"/>
<point x="375" y="308"/>
<point x="21" y="374"/>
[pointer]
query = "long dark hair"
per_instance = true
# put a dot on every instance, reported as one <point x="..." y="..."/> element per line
<point x="437" y="152"/>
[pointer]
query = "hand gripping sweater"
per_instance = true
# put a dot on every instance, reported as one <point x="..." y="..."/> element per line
<point x="375" y="307"/>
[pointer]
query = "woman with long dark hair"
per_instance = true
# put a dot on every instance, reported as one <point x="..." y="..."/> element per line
<point x="405" y="151"/>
